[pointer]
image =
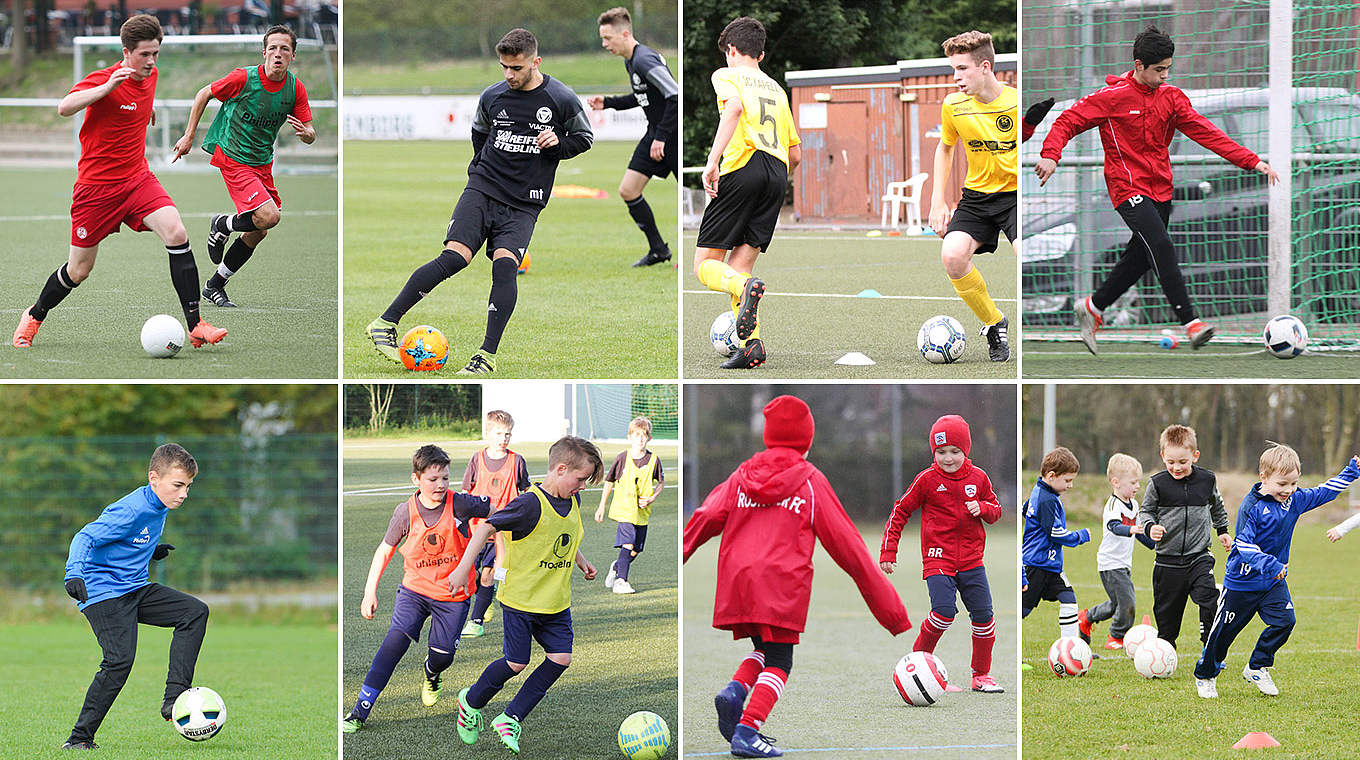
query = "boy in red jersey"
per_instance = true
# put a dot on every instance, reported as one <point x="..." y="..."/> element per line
<point x="765" y="512"/>
<point x="256" y="102"/>
<point x="1138" y="114"/>
<point x="436" y="525"/>
<point x="500" y="474"/>
<point x="955" y="498"/>
<point x="114" y="186"/>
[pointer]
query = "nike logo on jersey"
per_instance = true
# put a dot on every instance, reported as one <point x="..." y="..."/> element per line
<point x="251" y="197"/>
<point x="941" y="488"/>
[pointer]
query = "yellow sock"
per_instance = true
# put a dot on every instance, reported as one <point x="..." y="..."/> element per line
<point x="736" y="305"/>
<point x="973" y="290"/>
<point x="718" y="275"/>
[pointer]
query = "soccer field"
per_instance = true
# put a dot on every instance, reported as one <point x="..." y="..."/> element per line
<point x="624" y="658"/>
<point x="1046" y="359"/>
<point x="277" y="682"/>
<point x="831" y="293"/>
<point x="840" y="701"/>
<point x="1112" y="712"/>
<point x="582" y="310"/>
<point x="286" y="323"/>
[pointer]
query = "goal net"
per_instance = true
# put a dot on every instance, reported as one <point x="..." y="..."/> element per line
<point x="1280" y="78"/>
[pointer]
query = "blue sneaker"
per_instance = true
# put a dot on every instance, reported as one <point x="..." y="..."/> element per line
<point x="730" y="702"/>
<point x="747" y="743"/>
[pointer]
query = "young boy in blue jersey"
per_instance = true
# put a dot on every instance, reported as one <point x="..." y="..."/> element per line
<point x="435" y="524"/>
<point x="636" y="479"/>
<point x="106" y="573"/>
<point x="1254" y="582"/>
<point x="544" y="530"/>
<point x="1046" y="534"/>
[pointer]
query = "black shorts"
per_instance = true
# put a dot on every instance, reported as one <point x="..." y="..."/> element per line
<point x="481" y="219"/>
<point x="1044" y="585"/>
<point x="642" y="158"/>
<point x="983" y="215"/>
<point x="747" y="207"/>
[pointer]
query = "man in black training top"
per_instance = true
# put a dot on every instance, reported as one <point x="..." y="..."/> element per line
<point x="657" y="153"/>
<point x="524" y="126"/>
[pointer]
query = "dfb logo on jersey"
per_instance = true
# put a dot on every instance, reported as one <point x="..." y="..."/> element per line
<point x="544" y="114"/>
<point x="970" y="490"/>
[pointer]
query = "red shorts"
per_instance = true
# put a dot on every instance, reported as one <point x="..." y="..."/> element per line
<point x="97" y="210"/>
<point x="249" y="186"/>
<point x="768" y="633"/>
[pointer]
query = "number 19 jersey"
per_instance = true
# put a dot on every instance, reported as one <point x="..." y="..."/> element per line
<point x="766" y="122"/>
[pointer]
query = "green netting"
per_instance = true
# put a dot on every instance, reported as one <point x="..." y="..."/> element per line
<point x="1073" y="236"/>
<point x="603" y="411"/>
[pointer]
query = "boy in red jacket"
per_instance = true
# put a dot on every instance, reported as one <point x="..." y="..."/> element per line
<point x="1138" y="114"/>
<point x="771" y="512"/>
<point x="955" y="498"/>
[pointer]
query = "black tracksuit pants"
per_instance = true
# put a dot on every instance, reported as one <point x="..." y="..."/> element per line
<point x="1149" y="248"/>
<point x="1171" y="586"/>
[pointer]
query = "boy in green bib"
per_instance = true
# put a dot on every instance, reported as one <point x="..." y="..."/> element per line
<point x="635" y="479"/>
<point x="543" y="528"/>
<point x="256" y="103"/>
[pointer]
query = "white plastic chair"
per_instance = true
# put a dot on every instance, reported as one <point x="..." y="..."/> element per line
<point x="907" y="194"/>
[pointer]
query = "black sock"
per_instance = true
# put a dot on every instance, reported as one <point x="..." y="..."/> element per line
<point x="422" y="281"/>
<point x="57" y="287"/>
<point x="485" y="595"/>
<point x="642" y="214"/>
<point x="242" y="222"/>
<point x="501" y="304"/>
<point x="437" y="662"/>
<point x="184" y="275"/>
<point x="236" y="257"/>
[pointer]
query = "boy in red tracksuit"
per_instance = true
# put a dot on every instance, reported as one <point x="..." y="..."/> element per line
<point x="771" y="512"/>
<point x="1138" y="114"/>
<point x="955" y="498"/>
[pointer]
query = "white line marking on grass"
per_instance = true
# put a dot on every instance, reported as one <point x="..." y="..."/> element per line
<point x="1159" y="353"/>
<point x="404" y="488"/>
<point x="195" y="215"/>
<point x="917" y="748"/>
<point x="769" y="293"/>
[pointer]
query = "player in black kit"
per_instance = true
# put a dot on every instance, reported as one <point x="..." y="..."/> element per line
<point x="656" y="93"/>
<point x="524" y="126"/>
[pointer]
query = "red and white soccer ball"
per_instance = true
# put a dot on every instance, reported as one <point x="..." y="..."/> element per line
<point x="1136" y="636"/>
<point x="1155" y="658"/>
<point x="920" y="678"/>
<point x="1069" y="656"/>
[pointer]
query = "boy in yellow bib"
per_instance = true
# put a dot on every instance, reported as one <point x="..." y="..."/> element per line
<point x="640" y="479"/>
<point x="544" y="532"/>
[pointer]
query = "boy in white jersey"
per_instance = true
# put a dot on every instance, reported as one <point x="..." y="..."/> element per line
<point x="1114" y="559"/>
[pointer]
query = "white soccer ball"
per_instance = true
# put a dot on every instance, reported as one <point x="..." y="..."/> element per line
<point x="1155" y="658"/>
<point x="162" y="336"/>
<point x="920" y="678"/>
<point x="1285" y="336"/>
<point x="1069" y="656"/>
<point x="198" y="714"/>
<point x="941" y="340"/>
<point x="723" y="333"/>
<point x="1136" y="636"/>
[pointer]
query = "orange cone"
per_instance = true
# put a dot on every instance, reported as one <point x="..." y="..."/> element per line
<point x="1256" y="740"/>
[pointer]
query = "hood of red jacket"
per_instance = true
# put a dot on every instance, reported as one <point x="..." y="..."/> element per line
<point x="958" y="474"/>
<point x="774" y="474"/>
<point x="1128" y="77"/>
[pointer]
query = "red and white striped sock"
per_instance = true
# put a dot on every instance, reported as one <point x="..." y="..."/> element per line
<point x="931" y="631"/>
<point x="769" y="688"/>
<point x="749" y="669"/>
<point x="984" y="636"/>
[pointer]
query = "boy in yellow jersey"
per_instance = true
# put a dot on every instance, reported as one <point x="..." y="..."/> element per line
<point x="746" y="175"/>
<point x="640" y="480"/>
<point x="544" y="527"/>
<point x="983" y="115"/>
<point x="435" y="523"/>
<point x="500" y="474"/>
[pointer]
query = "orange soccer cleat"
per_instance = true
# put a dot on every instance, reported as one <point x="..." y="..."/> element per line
<point x="27" y="329"/>
<point x="206" y="333"/>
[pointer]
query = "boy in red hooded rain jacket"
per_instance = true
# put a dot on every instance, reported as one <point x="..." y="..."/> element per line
<point x="955" y="498"/>
<point x="771" y="512"/>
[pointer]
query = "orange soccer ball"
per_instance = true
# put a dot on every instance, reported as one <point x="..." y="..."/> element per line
<point x="424" y="348"/>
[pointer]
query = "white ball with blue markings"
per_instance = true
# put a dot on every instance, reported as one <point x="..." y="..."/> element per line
<point x="1285" y="336"/>
<point x="644" y="736"/>
<point x="941" y="339"/>
<point x="723" y="333"/>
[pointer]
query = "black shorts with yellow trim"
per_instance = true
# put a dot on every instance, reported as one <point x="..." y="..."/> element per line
<point x="983" y="216"/>
<point x="747" y="206"/>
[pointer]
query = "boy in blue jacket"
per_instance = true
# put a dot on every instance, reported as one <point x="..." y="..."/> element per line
<point x="1046" y="534"/>
<point x="106" y="573"/>
<point x="1253" y="583"/>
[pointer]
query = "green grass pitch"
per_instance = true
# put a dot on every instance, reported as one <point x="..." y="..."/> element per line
<point x="1147" y="360"/>
<point x="812" y="314"/>
<point x="277" y="681"/>
<point x="840" y="701"/>
<point x="1112" y="712"/>
<point x="582" y="312"/>
<point x="286" y="323"/>
<point x="625" y="655"/>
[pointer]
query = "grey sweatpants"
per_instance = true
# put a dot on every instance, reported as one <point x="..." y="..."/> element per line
<point x="1118" y="609"/>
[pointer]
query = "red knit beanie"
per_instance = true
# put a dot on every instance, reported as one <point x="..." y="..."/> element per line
<point x="951" y="430"/>
<point x="788" y="422"/>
